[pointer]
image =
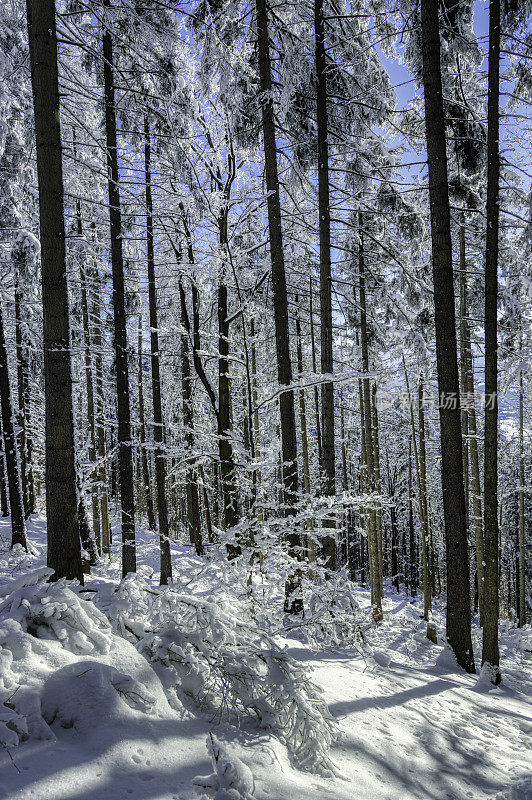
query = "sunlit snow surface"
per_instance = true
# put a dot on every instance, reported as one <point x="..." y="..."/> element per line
<point x="412" y="725"/>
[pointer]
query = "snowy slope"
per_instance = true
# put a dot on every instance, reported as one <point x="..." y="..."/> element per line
<point x="411" y="725"/>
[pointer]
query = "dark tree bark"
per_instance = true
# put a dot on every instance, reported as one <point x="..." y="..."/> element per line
<point x="423" y="502"/>
<point x="458" y="605"/>
<point x="158" y="429"/>
<point x="412" y="571"/>
<point x="521" y="578"/>
<point x="311" y="555"/>
<point x="14" y="484"/>
<point x="100" y="417"/>
<point x="227" y="465"/>
<point x="64" y="552"/>
<point x="144" y="467"/>
<point x="95" y="547"/>
<point x="369" y="449"/>
<point x="490" y="639"/>
<point x="21" y="392"/>
<point x="193" y="509"/>
<point x="316" y="393"/>
<point x="4" y="507"/>
<point x="125" y="450"/>
<point x="89" y="383"/>
<point x="476" y="491"/>
<point x="293" y="599"/>
<point x="327" y="464"/>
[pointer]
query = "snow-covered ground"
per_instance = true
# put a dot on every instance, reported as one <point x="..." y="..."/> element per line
<point x="103" y="722"/>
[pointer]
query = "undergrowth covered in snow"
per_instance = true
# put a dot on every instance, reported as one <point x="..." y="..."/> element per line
<point x="219" y="659"/>
<point x="91" y="672"/>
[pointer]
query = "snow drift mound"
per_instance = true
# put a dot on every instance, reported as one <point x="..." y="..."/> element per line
<point x="61" y="664"/>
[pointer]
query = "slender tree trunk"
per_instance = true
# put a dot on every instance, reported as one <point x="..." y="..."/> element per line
<point x="256" y="429"/>
<point x="378" y="486"/>
<point x="395" y="548"/>
<point x="363" y="464"/>
<point x="206" y="504"/>
<point x="458" y="602"/>
<point x="193" y="512"/>
<point x="314" y="370"/>
<point x="490" y="639"/>
<point x="293" y="598"/>
<point x="227" y="465"/>
<point x="476" y="491"/>
<point x="100" y="416"/>
<point x="90" y="401"/>
<point x="463" y="372"/>
<point x="311" y="555"/>
<point x="344" y="544"/>
<point x="4" y="507"/>
<point x="89" y="384"/>
<point x="327" y="464"/>
<point x="18" y="528"/>
<point x="158" y="429"/>
<point x="411" y="531"/>
<point x="144" y="466"/>
<point x="22" y="446"/>
<point x="522" y="552"/>
<point x="373" y="547"/>
<point x="64" y="551"/>
<point x="221" y="406"/>
<point x="423" y="502"/>
<point x="125" y="449"/>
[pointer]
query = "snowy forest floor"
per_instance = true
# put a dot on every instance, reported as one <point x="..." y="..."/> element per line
<point x="411" y="724"/>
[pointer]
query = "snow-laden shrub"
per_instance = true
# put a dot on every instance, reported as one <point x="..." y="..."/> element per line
<point x="333" y="616"/>
<point x="32" y="612"/>
<point x="221" y="659"/>
<point x="55" y="611"/>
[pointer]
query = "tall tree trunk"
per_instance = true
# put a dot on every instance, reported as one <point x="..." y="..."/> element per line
<point x="64" y="551"/>
<point x="96" y="528"/>
<point x="18" y="528"/>
<point x="311" y="554"/>
<point x="89" y="385"/>
<point x="458" y="603"/>
<point x="423" y="502"/>
<point x="293" y="598"/>
<point x="314" y="370"/>
<point x="363" y="465"/>
<point x="256" y="429"/>
<point x="522" y="551"/>
<point x="412" y="572"/>
<point x="144" y="466"/>
<point x="221" y="406"/>
<point x="378" y="485"/>
<point x="100" y="416"/>
<point x="193" y="512"/>
<point x="490" y="638"/>
<point x="344" y="544"/>
<point x="371" y="516"/>
<point x="476" y="491"/>
<point x="327" y="464"/>
<point x="125" y="449"/>
<point x="463" y="373"/>
<point x="158" y="429"/>
<point x="4" y="507"/>
<point x="22" y="446"/>
<point x="227" y="465"/>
